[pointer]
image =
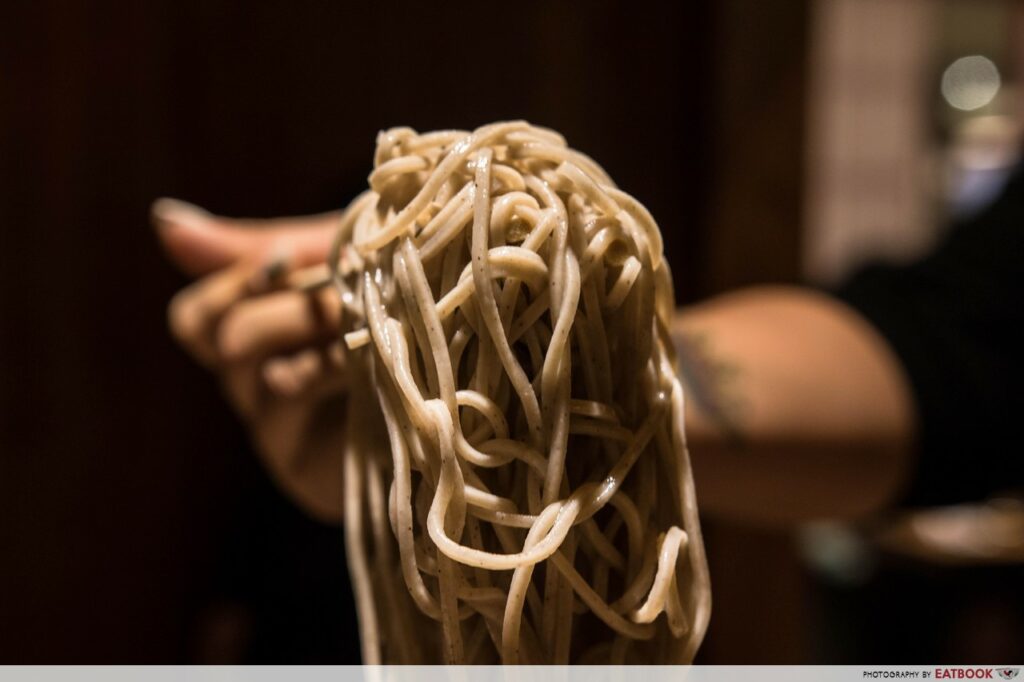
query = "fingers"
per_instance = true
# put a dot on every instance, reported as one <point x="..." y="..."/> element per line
<point x="260" y="388"/>
<point x="280" y="321"/>
<point x="314" y="371"/>
<point x="240" y="255"/>
<point x="195" y="311"/>
<point x="228" y="323"/>
<point x="221" y="318"/>
<point x="280" y="346"/>
<point x="199" y="242"/>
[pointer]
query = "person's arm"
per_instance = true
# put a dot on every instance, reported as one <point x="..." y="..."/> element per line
<point x="809" y="413"/>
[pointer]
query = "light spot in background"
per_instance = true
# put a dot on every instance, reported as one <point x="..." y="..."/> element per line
<point x="970" y="82"/>
<point x="837" y="552"/>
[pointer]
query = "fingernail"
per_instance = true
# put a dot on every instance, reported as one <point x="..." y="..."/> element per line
<point x="175" y="211"/>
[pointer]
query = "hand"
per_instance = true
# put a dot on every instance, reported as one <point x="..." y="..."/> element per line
<point x="275" y="350"/>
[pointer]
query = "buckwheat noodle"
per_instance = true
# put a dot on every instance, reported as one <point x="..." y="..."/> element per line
<point x="517" y="484"/>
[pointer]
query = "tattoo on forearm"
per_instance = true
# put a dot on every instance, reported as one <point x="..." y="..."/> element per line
<point x="711" y="383"/>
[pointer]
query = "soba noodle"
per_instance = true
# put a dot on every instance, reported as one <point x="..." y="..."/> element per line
<point x="517" y="487"/>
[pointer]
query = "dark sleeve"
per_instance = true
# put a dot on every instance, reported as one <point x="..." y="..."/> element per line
<point x="956" y="321"/>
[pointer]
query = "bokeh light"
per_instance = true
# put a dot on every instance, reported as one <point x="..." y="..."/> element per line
<point x="970" y="82"/>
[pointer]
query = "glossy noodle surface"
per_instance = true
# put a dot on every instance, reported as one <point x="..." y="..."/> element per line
<point x="518" y="488"/>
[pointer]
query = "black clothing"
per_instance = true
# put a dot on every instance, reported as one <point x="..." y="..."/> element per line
<point x="956" y="321"/>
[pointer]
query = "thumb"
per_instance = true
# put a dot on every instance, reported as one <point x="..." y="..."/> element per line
<point x="199" y="242"/>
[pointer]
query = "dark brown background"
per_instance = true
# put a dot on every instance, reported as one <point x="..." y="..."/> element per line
<point x="135" y="524"/>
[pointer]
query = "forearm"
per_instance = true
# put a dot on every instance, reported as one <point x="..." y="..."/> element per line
<point x="805" y="414"/>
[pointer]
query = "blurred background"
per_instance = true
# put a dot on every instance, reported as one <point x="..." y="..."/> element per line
<point x="775" y="142"/>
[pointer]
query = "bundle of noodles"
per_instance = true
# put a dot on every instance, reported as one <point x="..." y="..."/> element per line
<point x="519" y="489"/>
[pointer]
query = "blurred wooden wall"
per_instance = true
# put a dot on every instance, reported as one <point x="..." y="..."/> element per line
<point x="123" y="477"/>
